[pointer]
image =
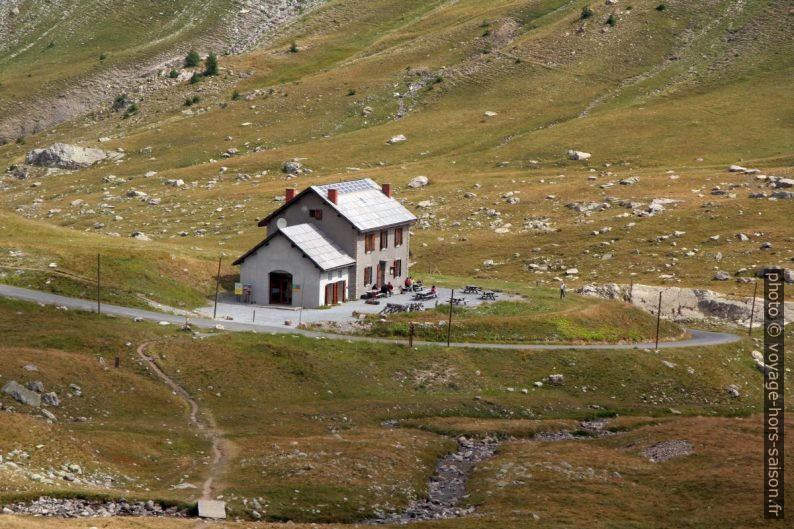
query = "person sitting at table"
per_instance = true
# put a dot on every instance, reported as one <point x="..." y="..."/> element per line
<point x="433" y="291"/>
<point x="384" y="289"/>
<point x="408" y="282"/>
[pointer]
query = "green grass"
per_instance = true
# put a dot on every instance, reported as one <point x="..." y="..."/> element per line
<point x="542" y="318"/>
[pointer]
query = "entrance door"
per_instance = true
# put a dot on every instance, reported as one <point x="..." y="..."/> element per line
<point x="280" y="288"/>
<point x="381" y="273"/>
<point x="335" y="293"/>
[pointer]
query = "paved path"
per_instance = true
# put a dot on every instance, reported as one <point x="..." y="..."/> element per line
<point x="698" y="338"/>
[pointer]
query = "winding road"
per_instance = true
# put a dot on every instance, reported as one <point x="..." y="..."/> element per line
<point x="697" y="338"/>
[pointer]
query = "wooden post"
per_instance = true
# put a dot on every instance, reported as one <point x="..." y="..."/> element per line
<point x="449" y="325"/>
<point x="752" y="311"/>
<point x="98" y="289"/>
<point x="658" y="319"/>
<point x="631" y="291"/>
<point x="118" y="361"/>
<point x="217" y="286"/>
<point x="411" y="330"/>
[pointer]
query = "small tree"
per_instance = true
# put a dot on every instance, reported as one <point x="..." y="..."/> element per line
<point x="586" y="12"/>
<point x="612" y="20"/>
<point x="235" y="95"/>
<point x="661" y="7"/>
<point x="211" y="65"/>
<point x="192" y="59"/>
<point x="293" y="48"/>
<point x="195" y="78"/>
<point x="173" y="74"/>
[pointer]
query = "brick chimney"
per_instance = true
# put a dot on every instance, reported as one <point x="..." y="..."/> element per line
<point x="333" y="195"/>
<point x="290" y="194"/>
<point x="386" y="188"/>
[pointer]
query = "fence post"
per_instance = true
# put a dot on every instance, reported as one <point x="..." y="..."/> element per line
<point x="658" y="319"/>
<point x="449" y="325"/>
<point x="217" y="286"/>
<point x="752" y="311"/>
<point x="411" y="331"/>
<point x="98" y="288"/>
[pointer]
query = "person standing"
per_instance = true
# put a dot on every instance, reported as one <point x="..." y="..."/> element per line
<point x="562" y="289"/>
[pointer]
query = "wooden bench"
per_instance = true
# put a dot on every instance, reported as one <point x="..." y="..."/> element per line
<point x="488" y="296"/>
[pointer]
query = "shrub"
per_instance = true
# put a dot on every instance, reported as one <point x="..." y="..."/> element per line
<point x="188" y="102"/>
<point x="21" y="140"/>
<point x="438" y="80"/>
<point x="51" y="44"/>
<point x="121" y="101"/>
<point x="486" y="33"/>
<point x="211" y="65"/>
<point x="131" y="110"/>
<point x="173" y="74"/>
<point x="293" y="48"/>
<point x="586" y="12"/>
<point x="192" y="59"/>
<point x="102" y="56"/>
<point x="195" y="78"/>
<point x="235" y="95"/>
<point x="612" y="20"/>
<point x="351" y="92"/>
<point x="661" y="7"/>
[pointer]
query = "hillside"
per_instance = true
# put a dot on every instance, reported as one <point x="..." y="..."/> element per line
<point x="664" y="100"/>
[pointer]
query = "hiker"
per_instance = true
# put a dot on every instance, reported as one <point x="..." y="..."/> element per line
<point x="562" y="289"/>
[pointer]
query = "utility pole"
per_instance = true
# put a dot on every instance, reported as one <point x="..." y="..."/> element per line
<point x="98" y="301"/>
<point x="411" y="330"/>
<point x="752" y="311"/>
<point x="658" y="319"/>
<point x="217" y="287"/>
<point x="449" y="325"/>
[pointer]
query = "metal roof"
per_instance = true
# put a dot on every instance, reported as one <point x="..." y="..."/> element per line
<point x="363" y="203"/>
<point x="313" y="243"/>
<point x="317" y="246"/>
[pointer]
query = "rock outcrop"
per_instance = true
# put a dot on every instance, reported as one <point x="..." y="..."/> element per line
<point x="682" y="304"/>
<point x="65" y="156"/>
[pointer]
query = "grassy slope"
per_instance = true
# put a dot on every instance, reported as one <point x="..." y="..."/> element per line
<point x="298" y="411"/>
<point x="645" y="115"/>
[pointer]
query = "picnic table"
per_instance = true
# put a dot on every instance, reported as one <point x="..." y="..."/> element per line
<point x="458" y="301"/>
<point x="424" y="296"/>
<point x="472" y="289"/>
<point x="488" y="296"/>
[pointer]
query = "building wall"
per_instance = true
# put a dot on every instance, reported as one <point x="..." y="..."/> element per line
<point x="332" y="224"/>
<point x="372" y="259"/>
<point x="280" y="256"/>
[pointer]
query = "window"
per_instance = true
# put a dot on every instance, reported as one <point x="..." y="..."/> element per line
<point x="369" y="242"/>
<point x="330" y="276"/>
<point x="368" y="275"/>
<point x="316" y="214"/>
<point x="384" y="239"/>
<point x="397" y="268"/>
<point x="398" y="236"/>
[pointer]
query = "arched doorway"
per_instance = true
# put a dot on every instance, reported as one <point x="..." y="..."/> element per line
<point x="280" y="288"/>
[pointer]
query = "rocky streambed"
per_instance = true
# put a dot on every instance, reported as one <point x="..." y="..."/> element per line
<point x="78" y="508"/>
<point x="447" y="485"/>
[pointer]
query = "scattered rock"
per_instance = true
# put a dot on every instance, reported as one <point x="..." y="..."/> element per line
<point x="22" y="394"/>
<point x="722" y="276"/>
<point x="578" y="155"/>
<point x="399" y="138"/>
<point x="418" y="181"/>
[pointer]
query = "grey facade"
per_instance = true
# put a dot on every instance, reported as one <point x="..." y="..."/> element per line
<point x="346" y="214"/>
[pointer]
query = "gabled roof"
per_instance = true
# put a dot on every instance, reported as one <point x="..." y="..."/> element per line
<point x="361" y="202"/>
<point x="313" y="243"/>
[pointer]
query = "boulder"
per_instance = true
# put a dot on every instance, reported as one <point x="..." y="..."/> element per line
<point x="22" y="394"/>
<point x="37" y="386"/>
<point x="65" y="156"/>
<point x="51" y="399"/>
<point x="578" y="155"/>
<point x="556" y="379"/>
<point x="630" y="181"/>
<point x="178" y="182"/>
<point x="293" y="167"/>
<point x="418" y="181"/>
<point x="722" y="276"/>
<point x="399" y="138"/>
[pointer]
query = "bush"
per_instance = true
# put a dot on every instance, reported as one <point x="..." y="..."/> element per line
<point x="195" y="78"/>
<point x="235" y="95"/>
<point x="612" y="20"/>
<point x="173" y="74"/>
<point x="293" y="48"/>
<point x="188" y="102"/>
<point x="211" y="65"/>
<point x="131" y="110"/>
<point x="486" y="33"/>
<point x="121" y="101"/>
<point x="351" y="92"/>
<point x="21" y="140"/>
<point x="102" y="56"/>
<point x="586" y="12"/>
<point x="661" y="7"/>
<point x="192" y="59"/>
<point x="438" y="80"/>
